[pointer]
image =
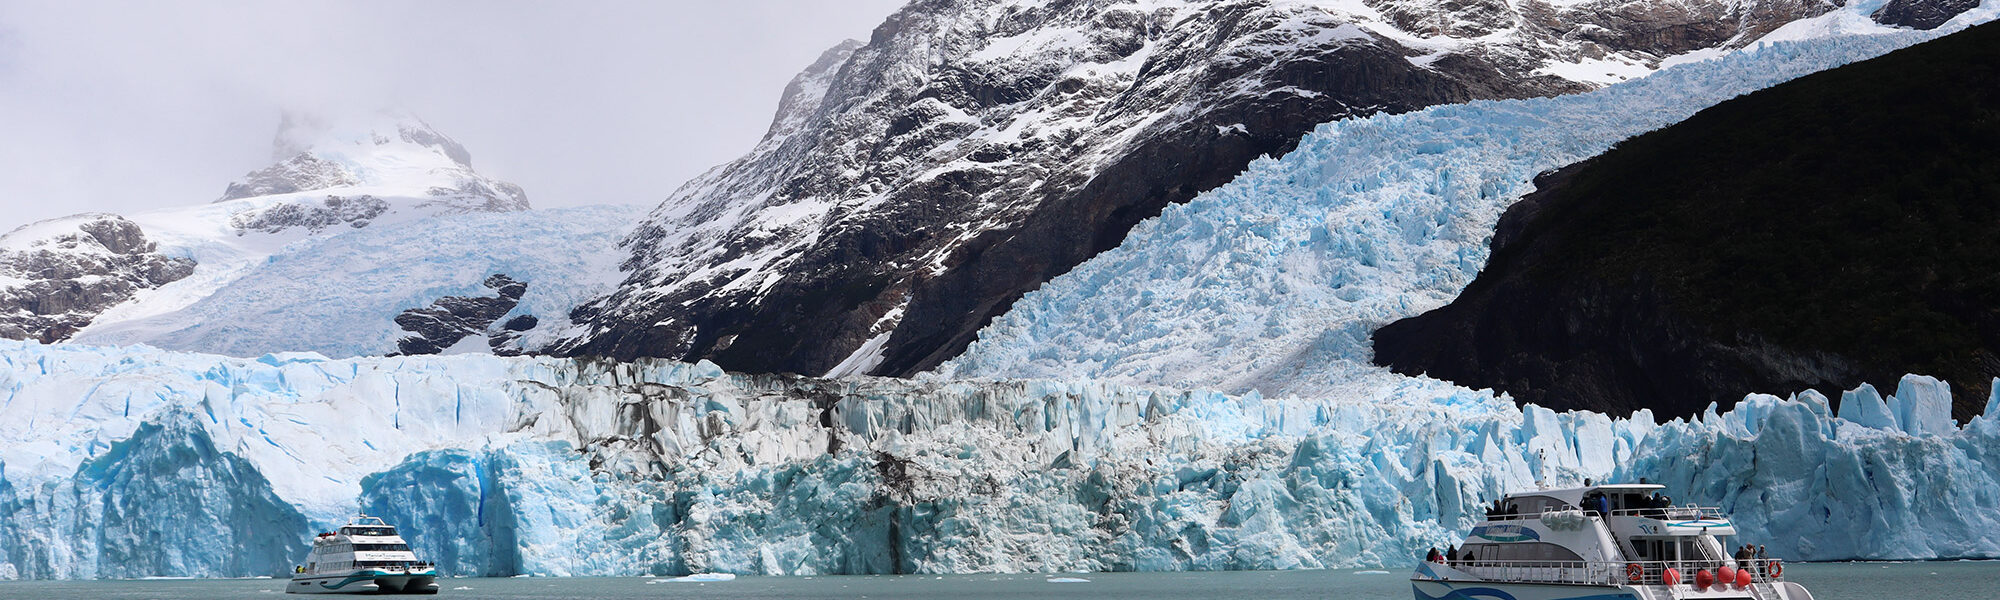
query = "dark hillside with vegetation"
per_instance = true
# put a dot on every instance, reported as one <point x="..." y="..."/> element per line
<point x="1837" y="229"/>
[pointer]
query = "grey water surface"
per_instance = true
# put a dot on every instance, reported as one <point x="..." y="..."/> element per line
<point x="1962" y="580"/>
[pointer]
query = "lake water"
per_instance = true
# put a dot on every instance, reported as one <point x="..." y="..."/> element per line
<point x="1828" y="581"/>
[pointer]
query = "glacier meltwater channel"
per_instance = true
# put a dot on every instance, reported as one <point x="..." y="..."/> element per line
<point x="115" y="457"/>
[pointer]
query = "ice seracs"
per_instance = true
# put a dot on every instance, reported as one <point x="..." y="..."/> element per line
<point x="538" y="465"/>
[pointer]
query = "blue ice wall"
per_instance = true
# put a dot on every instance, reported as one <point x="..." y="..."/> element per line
<point x="164" y="502"/>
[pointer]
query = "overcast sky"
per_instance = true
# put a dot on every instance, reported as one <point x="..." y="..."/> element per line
<point x="128" y="106"/>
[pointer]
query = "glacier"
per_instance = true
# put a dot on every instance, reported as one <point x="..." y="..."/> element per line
<point x="338" y="294"/>
<point x="1274" y="281"/>
<point x="1077" y="461"/>
<point x="552" y="466"/>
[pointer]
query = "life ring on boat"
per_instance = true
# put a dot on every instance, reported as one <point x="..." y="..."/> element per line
<point x="1775" y="568"/>
<point x="1634" y="572"/>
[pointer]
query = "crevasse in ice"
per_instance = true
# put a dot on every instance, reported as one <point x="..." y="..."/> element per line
<point x="503" y="466"/>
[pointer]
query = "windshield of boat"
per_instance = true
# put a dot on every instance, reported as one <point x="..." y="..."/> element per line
<point x="1702" y="548"/>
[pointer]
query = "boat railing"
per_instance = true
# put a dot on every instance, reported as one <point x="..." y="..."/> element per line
<point x="1678" y="513"/>
<point x="409" y="567"/>
<point x="1688" y="513"/>
<point x="1609" y="573"/>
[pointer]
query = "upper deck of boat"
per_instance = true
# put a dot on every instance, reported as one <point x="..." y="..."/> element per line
<point x="1574" y="496"/>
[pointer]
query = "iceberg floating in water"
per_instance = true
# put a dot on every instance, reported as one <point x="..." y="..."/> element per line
<point x="544" y="466"/>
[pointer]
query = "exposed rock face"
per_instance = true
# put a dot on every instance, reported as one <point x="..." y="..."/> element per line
<point x="1922" y="14"/>
<point x="56" y="275"/>
<point x="452" y="318"/>
<point x="302" y="172"/>
<point x="913" y="187"/>
<point x="480" y="195"/>
<point x="1824" y="233"/>
<point x="334" y="210"/>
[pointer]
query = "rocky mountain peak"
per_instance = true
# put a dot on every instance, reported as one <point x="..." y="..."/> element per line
<point x="390" y="153"/>
<point x="302" y="132"/>
<point x="802" y="96"/>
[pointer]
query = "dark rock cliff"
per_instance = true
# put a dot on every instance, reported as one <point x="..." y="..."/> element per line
<point x="1824" y="233"/>
<point x="451" y="318"/>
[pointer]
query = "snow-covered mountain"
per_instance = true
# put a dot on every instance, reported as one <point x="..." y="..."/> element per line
<point x="913" y="187"/>
<point x="359" y="219"/>
<point x="1275" y="281"/>
<point x="537" y="465"/>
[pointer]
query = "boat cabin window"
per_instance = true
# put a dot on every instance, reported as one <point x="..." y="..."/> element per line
<point x="1534" y="505"/>
<point x="1678" y="548"/>
<point x="381" y="547"/>
<point x="1520" y="551"/>
<point x="370" y="531"/>
<point x="377" y="564"/>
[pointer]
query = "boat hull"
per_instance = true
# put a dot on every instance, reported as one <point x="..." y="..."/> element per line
<point x="363" y="583"/>
<point x="1433" y="589"/>
<point x="1447" y="590"/>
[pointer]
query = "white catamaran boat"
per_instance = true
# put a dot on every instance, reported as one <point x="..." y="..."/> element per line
<point x="1601" y="542"/>
<point x="364" y="557"/>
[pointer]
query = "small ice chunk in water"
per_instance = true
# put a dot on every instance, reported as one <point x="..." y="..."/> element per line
<point x="1068" y="580"/>
<point x="1371" y="573"/>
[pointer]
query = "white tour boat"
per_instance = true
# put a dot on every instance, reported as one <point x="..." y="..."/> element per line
<point x="1600" y="542"/>
<point x="363" y="557"/>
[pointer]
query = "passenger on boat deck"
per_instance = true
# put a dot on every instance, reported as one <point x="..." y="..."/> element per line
<point x="1433" y="556"/>
<point x="1743" y="554"/>
<point x="1451" y="554"/>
